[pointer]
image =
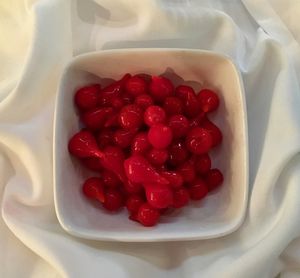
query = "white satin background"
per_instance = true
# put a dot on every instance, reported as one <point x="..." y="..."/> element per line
<point x="38" y="37"/>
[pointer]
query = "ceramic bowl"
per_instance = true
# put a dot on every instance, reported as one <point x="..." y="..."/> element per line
<point x="221" y="212"/>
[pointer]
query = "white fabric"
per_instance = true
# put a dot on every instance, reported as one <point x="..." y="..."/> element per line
<point x="38" y="37"/>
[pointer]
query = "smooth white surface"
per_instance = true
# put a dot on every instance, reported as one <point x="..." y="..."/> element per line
<point x="221" y="212"/>
<point x="38" y="37"/>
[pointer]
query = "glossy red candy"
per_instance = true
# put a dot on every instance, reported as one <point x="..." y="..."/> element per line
<point x="112" y="160"/>
<point x="136" y="85"/>
<point x="92" y="163"/>
<point x="87" y="97"/>
<point x="95" y="119"/>
<point x="123" y="137"/>
<point x="196" y="122"/>
<point x="214" y="131"/>
<point x="187" y="171"/>
<point x="147" y="215"/>
<point x="192" y="107"/>
<point x="112" y="121"/>
<point x="157" y="157"/>
<point x="182" y="91"/>
<point x="124" y="79"/>
<point x="174" y="178"/>
<point x="173" y="105"/>
<point x="159" y="195"/>
<point x="114" y="199"/>
<point x="133" y="216"/>
<point x="104" y="137"/>
<point x="132" y="187"/>
<point x="83" y="144"/>
<point x="127" y="98"/>
<point x="117" y="102"/>
<point x="149" y="143"/>
<point x="199" y="140"/>
<point x="160" y="136"/>
<point x="93" y="189"/>
<point x="177" y="153"/>
<point x="139" y="170"/>
<point x="131" y="117"/>
<point x="143" y="101"/>
<point x="181" y="198"/>
<point x="214" y="178"/>
<point x="209" y="100"/>
<point x="134" y="202"/>
<point x="198" y="190"/>
<point x="160" y="88"/>
<point x="110" y="179"/>
<point x="190" y="102"/>
<point x="140" y="143"/>
<point x="154" y="115"/>
<point x="203" y="163"/>
<point x="179" y="125"/>
<point x="113" y="90"/>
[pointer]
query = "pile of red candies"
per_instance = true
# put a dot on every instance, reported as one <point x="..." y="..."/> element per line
<point x="149" y="143"/>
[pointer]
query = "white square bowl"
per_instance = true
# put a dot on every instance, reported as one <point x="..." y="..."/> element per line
<point x="221" y="213"/>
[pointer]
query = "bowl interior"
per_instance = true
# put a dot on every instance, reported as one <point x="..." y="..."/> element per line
<point x="221" y="212"/>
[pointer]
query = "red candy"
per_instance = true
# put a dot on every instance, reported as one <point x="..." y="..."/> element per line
<point x="160" y="88"/>
<point x="93" y="189"/>
<point x="177" y="153"/>
<point x="173" y="106"/>
<point x="92" y="163"/>
<point x="123" y="137"/>
<point x="181" y="198"/>
<point x="174" y="178"/>
<point x="139" y="170"/>
<point x="127" y="98"/>
<point x="214" y="131"/>
<point x="154" y="115"/>
<point x="143" y="101"/>
<point x="214" y="178"/>
<point x="132" y="187"/>
<point x="183" y="91"/>
<point x="203" y="163"/>
<point x="110" y="179"/>
<point x="87" y="97"/>
<point x="140" y="143"/>
<point x="160" y="136"/>
<point x="117" y="102"/>
<point x="157" y="157"/>
<point x="104" y="137"/>
<point x="159" y="195"/>
<point x="112" y="91"/>
<point x="208" y="100"/>
<point x="196" y="122"/>
<point x="187" y="171"/>
<point x="95" y="119"/>
<point x="114" y="200"/>
<point x="147" y="215"/>
<point x="190" y="101"/>
<point x="112" y="121"/>
<point x="112" y="159"/>
<point x="83" y="145"/>
<point x="198" y="190"/>
<point x="179" y="125"/>
<point x="134" y="202"/>
<point x="199" y="140"/>
<point x="135" y="86"/>
<point x="149" y="143"/>
<point x="130" y="117"/>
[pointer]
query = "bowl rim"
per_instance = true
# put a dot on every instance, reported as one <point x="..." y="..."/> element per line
<point x="234" y="225"/>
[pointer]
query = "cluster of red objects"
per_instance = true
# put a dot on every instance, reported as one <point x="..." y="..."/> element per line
<point x="149" y="142"/>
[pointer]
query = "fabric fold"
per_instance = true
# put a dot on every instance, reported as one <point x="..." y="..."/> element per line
<point x="264" y="49"/>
